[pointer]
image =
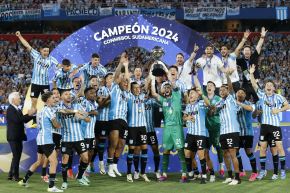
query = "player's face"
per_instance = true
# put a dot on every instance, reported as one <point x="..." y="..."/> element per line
<point x="193" y="96"/>
<point x="91" y="95"/>
<point x="269" y="88"/>
<point x="109" y="80"/>
<point x="224" y="92"/>
<point x="167" y="90"/>
<point x="247" y="52"/>
<point x="209" y="51"/>
<point x="179" y="59"/>
<point x="241" y="95"/>
<point x="66" y="68"/>
<point x="44" y="52"/>
<point x="76" y="83"/>
<point x="159" y="79"/>
<point x="95" y="61"/>
<point x="56" y="95"/>
<point x="136" y="89"/>
<point x="124" y="84"/>
<point x="138" y="73"/>
<point x="173" y="73"/>
<point x="94" y="83"/>
<point x="210" y="88"/>
<point x="66" y="96"/>
<point x="224" y="51"/>
<point x="51" y="101"/>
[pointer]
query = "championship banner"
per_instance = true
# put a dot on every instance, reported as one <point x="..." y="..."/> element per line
<point x="164" y="13"/>
<point x="76" y="12"/>
<point x="50" y="9"/>
<point x="4" y="7"/>
<point x="13" y="15"/>
<point x="204" y="13"/>
<point x="105" y="11"/>
<point x="233" y="11"/>
<point x="126" y="11"/>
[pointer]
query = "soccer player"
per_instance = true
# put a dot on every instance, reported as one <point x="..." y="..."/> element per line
<point x="118" y="115"/>
<point x="92" y="68"/>
<point x="41" y="63"/>
<point x="137" y="129"/>
<point x="91" y="106"/>
<point x="184" y="68"/>
<point x="229" y="61"/>
<point x="101" y="126"/>
<point x="45" y="146"/>
<point x="229" y="132"/>
<point x="272" y="105"/>
<point x="246" y="132"/>
<point x="173" y="74"/>
<point x="71" y="116"/>
<point x="62" y="79"/>
<point x="245" y="63"/>
<point x="173" y="137"/>
<point x="138" y="76"/>
<point x="195" y="142"/>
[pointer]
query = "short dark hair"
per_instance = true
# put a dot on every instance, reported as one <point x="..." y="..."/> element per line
<point x="209" y="45"/>
<point x="247" y="46"/>
<point x="180" y="54"/>
<point x="270" y="80"/>
<point x="95" y="55"/>
<point x="211" y="83"/>
<point x="108" y="74"/>
<point x="192" y="88"/>
<point x="133" y="83"/>
<point x="88" y="89"/>
<point x="93" y="76"/>
<point x="241" y="88"/>
<point x="66" y="62"/>
<point x="45" y="96"/>
<point x="44" y="46"/>
<point x="173" y="66"/>
<point x="53" y="89"/>
<point x="64" y="90"/>
<point x="225" y="86"/>
<point x="75" y="78"/>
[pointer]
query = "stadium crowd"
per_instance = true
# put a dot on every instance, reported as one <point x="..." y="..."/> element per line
<point x="16" y="66"/>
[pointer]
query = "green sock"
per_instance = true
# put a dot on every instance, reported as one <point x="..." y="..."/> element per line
<point x="182" y="160"/>
<point x="220" y="154"/>
<point x="165" y="162"/>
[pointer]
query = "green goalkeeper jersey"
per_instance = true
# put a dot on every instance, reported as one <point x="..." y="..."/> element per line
<point x="213" y="122"/>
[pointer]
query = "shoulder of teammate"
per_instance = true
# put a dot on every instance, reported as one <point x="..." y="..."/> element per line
<point x="218" y="61"/>
<point x="200" y="61"/>
<point x="233" y="56"/>
<point x="260" y="93"/>
<point x="34" y="53"/>
<point x="281" y="99"/>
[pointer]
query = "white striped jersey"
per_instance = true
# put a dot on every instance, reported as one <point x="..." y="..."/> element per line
<point x="44" y="118"/>
<point x="62" y="79"/>
<point x="88" y="128"/>
<point x="88" y="71"/>
<point x="140" y="82"/>
<point x="267" y="104"/>
<point x="136" y="110"/>
<point x="245" y="120"/>
<point x="118" y="105"/>
<point x="104" y="111"/>
<point x="198" y="111"/>
<point x="71" y="126"/>
<point x="56" y="109"/>
<point x="228" y="115"/>
<point x="150" y="103"/>
<point x="230" y="62"/>
<point x="181" y="85"/>
<point x="40" y="67"/>
<point x="76" y="99"/>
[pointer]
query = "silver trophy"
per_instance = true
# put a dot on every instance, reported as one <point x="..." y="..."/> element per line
<point x="158" y="66"/>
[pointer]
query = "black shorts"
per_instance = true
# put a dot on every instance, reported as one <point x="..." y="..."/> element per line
<point x="78" y="146"/>
<point x="137" y="136"/>
<point x="45" y="149"/>
<point x="195" y="142"/>
<point x="270" y="132"/>
<point x="246" y="142"/>
<point x="90" y="143"/>
<point x="230" y="140"/>
<point x="56" y="140"/>
<point x="101" y="129"/>
<point x="121" y="125"/>
<point x="36" y="90"/>
<point x="152" y="138"/>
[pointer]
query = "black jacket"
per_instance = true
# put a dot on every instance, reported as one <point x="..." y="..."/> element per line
<point x="15" y="124"/>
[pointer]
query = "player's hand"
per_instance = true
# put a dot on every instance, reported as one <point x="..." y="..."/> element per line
<point x="18" y="34"/>
<point x="93" y="113"/>
<point x="263" y="32"/>
<point x="197" y="65"/>
<point x="252" y="68"/>
<point x="195" y="48"/>
<point x="31" y="111"/>
<point x="199" y="92"/>
<point x="275" y="111"/>
<point x="247" y="34"/>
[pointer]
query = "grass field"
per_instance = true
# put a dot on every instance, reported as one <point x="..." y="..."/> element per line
<point x="109" y="185"/>
<point x="3" y="134"/>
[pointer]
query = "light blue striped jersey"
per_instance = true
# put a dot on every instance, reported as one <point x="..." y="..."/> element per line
<point x="268" y="103"/>
<point x="150" y="103"/>
<point x="74" y="96"/>
<point x="44" y="118"/>
<point x="181" y="85"/>
<point x="118" y="105"/>
<point x="88" y="71"/>
<point x="136" y="110"/>
<point x="104" y="111"/>
<point x="198" y="111"/>
<point x="71" y="126"/>
<point x="56" y="108"/>
<point x="245" y="120"/>
<point x="62" y="79"/>
<point x="40" y="67"/>
<point x="88" y="128"/>
<point x="140" y="82"/>
<point x="228" y="115"/>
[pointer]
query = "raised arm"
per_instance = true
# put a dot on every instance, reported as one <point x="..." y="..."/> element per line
<point x="253" y="80"/>
<point x="261" y="40"/>
<point x="196" y="81"/>
<point x="127" y="74"/>
<point x="230" y="84"/>
<point x="193" y="54"/>
<point x="242" y="43"/>
<point x="154" y="93"/>
<point x="118" y="69"/>
<point x="23" y="41"/>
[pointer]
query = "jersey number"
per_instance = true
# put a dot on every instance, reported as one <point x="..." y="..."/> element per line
<point x="230" y="142"/>
<point x="276" y="134"/>
<point x="199" y="143"/>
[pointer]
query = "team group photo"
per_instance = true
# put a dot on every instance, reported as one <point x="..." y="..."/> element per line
<point x="144" y="96"/>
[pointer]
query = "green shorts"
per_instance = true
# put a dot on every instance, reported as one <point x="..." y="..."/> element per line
<point x="214" y="138"/>
<point x="173" y="137"/>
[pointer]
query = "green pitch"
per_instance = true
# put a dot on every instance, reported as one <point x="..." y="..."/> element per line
<point x="3" y="134"/>
<point x="119" y="185"/>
